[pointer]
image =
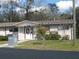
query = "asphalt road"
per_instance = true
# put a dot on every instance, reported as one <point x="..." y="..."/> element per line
<point x="9" y="53"/>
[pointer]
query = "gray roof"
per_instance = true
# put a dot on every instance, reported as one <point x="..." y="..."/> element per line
<point x="33" y="23"/>
<point x="17" y="24"/>
<point x="25" y="23"/>
<point x="44" y="22"/>
<point x="7" y="24"/>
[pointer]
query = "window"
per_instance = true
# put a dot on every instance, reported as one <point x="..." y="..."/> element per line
<point x="65" y="27"/>
<point x="60" y="27"/>
<point x="13" y="29"/>
<point x="29" y="30"/>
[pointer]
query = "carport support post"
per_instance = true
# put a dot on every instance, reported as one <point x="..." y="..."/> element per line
<point x="74" y="25"/>
<point x="5" y="31"/>
<point x="24" y="33"/>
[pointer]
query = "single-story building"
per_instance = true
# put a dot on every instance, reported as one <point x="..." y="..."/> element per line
<point x="26" y="30"/>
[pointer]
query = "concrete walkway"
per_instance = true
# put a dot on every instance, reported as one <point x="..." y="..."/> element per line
<point x="6" y="44"/>
<point x="3" y="45"/>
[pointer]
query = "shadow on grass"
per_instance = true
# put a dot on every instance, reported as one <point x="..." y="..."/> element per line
<point x="11" y="53"/>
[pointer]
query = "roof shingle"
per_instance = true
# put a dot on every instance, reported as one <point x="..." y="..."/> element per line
<point x="33" y="23"/>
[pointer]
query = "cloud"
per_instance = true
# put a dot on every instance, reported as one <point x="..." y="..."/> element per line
<point x="37" y="8"/>
<point x="77" y="1"/>
<point x="5" y="1"/>
<point x="65" y="5"/>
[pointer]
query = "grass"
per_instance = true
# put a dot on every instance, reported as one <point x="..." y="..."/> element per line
<point x="64" y="45"/>
<point x="3" y="42"/>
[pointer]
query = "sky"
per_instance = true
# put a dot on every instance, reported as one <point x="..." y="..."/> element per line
<point x="62" y="4"/>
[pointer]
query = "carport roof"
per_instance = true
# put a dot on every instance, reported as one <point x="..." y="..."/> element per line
<point x="44" y="22"/>
<point x="34" y="23"/>
<point x="7" y="24"/>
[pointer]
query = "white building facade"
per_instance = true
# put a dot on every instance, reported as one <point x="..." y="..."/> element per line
<point x="26" y="30"/>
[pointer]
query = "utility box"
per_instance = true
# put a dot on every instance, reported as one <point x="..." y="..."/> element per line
<point x="12" y="40"/>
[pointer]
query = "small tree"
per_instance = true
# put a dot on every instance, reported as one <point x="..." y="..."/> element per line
<point x="41" y="32"/>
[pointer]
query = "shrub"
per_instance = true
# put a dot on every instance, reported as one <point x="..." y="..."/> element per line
<point x="53" y="36"/>
<point x="66" y="37"/>
<point x="3" y="38"/>
<point x="43" y="34"/>
<point x="39" y="37"/>
<point x="48" y="37"/>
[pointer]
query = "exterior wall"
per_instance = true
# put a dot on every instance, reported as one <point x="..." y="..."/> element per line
<point x="71" y="33"/>
<point x="34" y="33"/>
<point x="29" y="35"/>
<point x="8" y="31"/>
<point x="21" y="33"/>
<point x="68" y="32"/>
<point x="2" y="31"/>
<point x="65" y="32"/>
<point x="53" y="28"/>
<point x="62" y="31"/>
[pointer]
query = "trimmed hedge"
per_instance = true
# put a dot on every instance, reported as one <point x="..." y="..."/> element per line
<point x="3" y="38"/>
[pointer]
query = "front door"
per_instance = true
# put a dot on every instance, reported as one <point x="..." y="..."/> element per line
<point x="29" y="32"/>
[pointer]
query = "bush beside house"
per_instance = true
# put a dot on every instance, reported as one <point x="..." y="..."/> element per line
<point x="53" y="36"/>
<point x="66" y="37"/>
<point x="3" y="38"/>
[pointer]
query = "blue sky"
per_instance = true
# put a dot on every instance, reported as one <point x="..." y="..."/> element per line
<point x="43" y="2"/>
<point x="51" y="1"/>
<point x="62" y="4"/>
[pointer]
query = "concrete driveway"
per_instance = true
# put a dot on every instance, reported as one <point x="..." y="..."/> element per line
<point x="10" y="53"/>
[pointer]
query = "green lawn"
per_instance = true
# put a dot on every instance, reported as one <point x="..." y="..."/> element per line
<point x="3" y="42"/>
<point x="64" y="45"/>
